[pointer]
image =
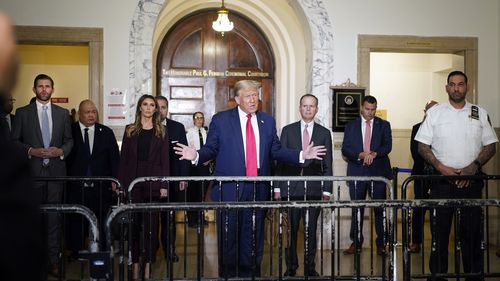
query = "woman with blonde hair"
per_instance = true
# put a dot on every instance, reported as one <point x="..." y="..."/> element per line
<point x="145" y="152"/>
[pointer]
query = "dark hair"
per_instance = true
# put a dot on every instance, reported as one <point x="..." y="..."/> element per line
<point x="161" y="98"/>
<point x="194" y="114"/>
<point x="308" y="95"/>
<point x="43" y="77"/>
<point x="369" y="99"/>
<point x="136" y="127"/>
<point x="455" y="73"/>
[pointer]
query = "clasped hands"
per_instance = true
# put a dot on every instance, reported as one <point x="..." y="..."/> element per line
<point x="50" y="152"/>
<point x="367" y="157"/>
<point x="469" y="170"/>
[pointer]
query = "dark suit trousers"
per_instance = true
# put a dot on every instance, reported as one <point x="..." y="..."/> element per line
<point x="196" y="192"/>
<point x="51" y="193"/>
<point x="97" y="197"/>
<point x="358" y="191"/>
<point x="469" y="228"/>
<point x="294" y="217"/>
<point x="421" y="190"/>
<point x="240" y="243"/>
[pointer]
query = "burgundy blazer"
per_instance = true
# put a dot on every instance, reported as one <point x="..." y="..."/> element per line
<point x="158" y="165"/>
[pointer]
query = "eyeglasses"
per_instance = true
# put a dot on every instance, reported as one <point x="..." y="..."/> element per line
<point x="199" y="117"/>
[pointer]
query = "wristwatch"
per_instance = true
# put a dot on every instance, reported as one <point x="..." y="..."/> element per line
<point x="478" y="164"/>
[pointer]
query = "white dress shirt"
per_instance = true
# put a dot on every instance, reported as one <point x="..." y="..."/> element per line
<point x="193" y="137"/>
<point x="255" y="126"/>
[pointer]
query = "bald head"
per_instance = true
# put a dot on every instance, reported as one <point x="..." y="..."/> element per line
<point x="87" y="113"/>
<point x="8" y="57"/>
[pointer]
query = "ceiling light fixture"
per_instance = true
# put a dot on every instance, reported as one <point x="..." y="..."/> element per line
<point x="222" y="23"/>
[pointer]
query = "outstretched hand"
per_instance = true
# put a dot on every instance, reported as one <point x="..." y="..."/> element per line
<point x="314" y="152"/>
<point x="186" y="152"/>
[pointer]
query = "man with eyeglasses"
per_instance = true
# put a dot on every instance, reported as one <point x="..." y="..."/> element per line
<point x="456" y="138"/>
<point x="197" y="137"/>
<point x="7" y="116"/>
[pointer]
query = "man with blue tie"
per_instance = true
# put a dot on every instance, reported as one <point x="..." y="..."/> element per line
<point x="43" y="132"/>
<point x="95" y="153"/>
<point x="366" y="147"/>
<point x="243" y="141"/>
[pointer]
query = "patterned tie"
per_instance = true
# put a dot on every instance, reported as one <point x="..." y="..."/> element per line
<point x="368" y="136"/>
<point x="45" y="131"/>
<point x="201" y="137"/>
<point x="251" y="153"/>
<point x="305" y="138"/>
<point x="86" y="144"/>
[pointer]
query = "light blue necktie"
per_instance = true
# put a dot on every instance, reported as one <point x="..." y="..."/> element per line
<point x="45" y="131"/>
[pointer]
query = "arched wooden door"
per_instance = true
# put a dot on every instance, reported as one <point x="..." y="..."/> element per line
<point x="198" y="67"/>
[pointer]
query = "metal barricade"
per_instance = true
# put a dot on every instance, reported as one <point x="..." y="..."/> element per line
<point x="331" y="267"/>
<point x="61" y="211"/>
<point x="460" y="206"/>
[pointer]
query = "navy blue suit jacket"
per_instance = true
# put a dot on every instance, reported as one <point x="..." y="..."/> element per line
<point x="381" y="143"/>
<point x="225" y="145"/>
<point x="176" y="134"/>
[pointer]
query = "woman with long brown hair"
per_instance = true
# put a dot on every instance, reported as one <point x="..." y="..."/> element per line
<point x="145" y="152"/>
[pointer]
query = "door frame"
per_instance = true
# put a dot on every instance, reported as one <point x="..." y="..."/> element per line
<point x="418" y="44"/>
<point x="91" y="37"/>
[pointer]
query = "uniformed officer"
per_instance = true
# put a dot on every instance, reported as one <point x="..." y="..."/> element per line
<point x="457" y="139"/>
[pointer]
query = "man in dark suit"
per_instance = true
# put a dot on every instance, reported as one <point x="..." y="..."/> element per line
<point x="197" y="137"/>
<point x="43" y="131"/>
<point x="366" y="147"/>
<point x="7" y="117"/>
<point x="233" y="138"/>
<point x="297" y="136"/>
<point x="421" y="188"/>
<point x="95" y="154"/>
<point x="176" y="134"/>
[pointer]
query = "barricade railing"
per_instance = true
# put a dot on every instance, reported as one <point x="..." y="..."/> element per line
<point x="332" y="271"/>
<point x="459" y="206"/>
<point x="64" y="224"/>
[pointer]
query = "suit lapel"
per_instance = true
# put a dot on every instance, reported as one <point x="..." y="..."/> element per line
<point x="262" y="138"/>
<point x="359" y="132"/>
<point x="235" y="123"/>
<point x="36" y="123"/>
<point x="296" y="137"/>
<point x="375" y="132"/>
<point x="98" y="139"/>
<point x="55" y="122"/>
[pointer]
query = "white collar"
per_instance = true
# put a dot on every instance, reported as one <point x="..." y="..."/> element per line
<point x="82" y="127"/>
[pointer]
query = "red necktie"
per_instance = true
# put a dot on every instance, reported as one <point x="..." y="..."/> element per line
<point x="368" y="136"/>
<point x="251" y="153"/>
<point x="305" y="138"/>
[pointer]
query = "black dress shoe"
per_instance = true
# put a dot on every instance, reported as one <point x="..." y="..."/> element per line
<point x="415" y="248"/>
<point x="290" y="273"/>
<point x="175" y="258"/>
<point x="312" y="272"/>
<point x="381" y="251"/>
<point x="54" y="270"/>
